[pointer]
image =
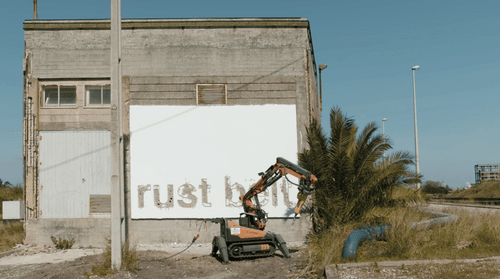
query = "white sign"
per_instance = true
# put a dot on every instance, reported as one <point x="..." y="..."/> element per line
<point x="195" y="161"/>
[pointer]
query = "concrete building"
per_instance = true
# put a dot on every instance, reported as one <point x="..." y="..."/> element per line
<point x="487" y="172"/>
<point x="208" y="103"/>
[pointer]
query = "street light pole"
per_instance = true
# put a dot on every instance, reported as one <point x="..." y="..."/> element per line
<point x="321" y="68"/>
<point x="415" y="112"/>
<point x="383" y="131"/>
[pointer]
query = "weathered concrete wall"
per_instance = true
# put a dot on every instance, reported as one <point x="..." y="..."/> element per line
<point x="85" y="231"/>
<point x="169" y="52"/>
<point x="250" y="55"/>
<point x="77" y="117"/>
<point x="182" y="231"/>
<point x="30" y="146"/>
<point x="312" y="80"/>
<point x="94" y="231"/>
<point x="242" y="90"/>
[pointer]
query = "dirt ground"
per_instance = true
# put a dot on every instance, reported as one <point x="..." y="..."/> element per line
<point x="159" y="264"/>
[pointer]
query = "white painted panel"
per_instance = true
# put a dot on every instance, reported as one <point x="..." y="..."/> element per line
<point x="73" y="165"/>
<point x="226" y="146"/>
<point x="13" y="210"/>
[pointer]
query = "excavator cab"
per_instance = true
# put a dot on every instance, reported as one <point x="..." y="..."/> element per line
<point x="251" y="220"/>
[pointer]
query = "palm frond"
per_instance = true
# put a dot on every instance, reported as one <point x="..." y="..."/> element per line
<point x="353" y="178"/>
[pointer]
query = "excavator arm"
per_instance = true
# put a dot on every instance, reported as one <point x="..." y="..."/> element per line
<point x="282" y="168"/>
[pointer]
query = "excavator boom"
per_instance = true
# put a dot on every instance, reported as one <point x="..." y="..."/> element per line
<point x="273" y="174"/>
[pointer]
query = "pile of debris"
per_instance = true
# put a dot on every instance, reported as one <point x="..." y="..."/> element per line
<point x="24" y="250"/>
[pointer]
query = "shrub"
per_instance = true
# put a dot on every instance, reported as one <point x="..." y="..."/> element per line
<point x="62" y="243"/>
<point x="130" y="261"/>
<point x="130" y="258"/>
<point x="433" y="187"/>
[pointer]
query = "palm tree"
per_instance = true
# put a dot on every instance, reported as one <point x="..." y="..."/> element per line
<point x="353" y="176"/>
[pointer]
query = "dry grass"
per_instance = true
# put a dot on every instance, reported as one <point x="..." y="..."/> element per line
<point x="471" y="236"/>
<point x="10" y="235"/>
<point x="130" y="261"/>
<point x="486" y="189"/>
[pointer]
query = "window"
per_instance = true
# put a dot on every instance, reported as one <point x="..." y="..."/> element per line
<point x="211" y="94"/>
<point x="97" y="96"/>
<point x="59" y="96"/>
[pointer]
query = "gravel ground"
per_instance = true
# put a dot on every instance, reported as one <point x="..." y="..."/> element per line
<point x="155" y="261"/>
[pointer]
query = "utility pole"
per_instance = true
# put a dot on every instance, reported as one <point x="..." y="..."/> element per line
<point x="413" y="69"/>
<point x="116" y="137"/>
<point x="35" y="10"/>
<point x="383" y="131"/>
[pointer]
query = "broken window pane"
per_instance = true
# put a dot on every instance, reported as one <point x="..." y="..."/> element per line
<point x="67" y="95"/>
<point x="94" y="95"/>
<point x="106" y="95"/>
<point x="51" y="95"/>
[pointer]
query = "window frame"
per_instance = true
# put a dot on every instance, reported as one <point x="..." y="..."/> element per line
<point x="59" y="105"/>
<point x="211" y="84"/>
<point x="86" y="97"/>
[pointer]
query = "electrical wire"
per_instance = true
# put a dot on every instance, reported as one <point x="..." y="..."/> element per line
<point x="302" y="188"/>
<point x="284" y="171"/>
<point x="192" y="242"/>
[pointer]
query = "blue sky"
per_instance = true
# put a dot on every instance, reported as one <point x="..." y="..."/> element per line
<point x="369" y="47"/>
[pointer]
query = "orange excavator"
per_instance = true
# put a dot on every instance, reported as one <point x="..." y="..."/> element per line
<point x="248" y="240"/>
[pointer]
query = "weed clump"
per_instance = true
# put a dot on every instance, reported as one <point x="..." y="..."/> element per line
<point x="402" y="240"/>
<point x="130" y="261"/>
<point x="62" y="243"/>
<point x="10" y="235"/>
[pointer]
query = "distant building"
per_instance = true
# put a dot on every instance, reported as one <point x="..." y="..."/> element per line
<point x="207" y="105"/>
<point x="487" y="172"/>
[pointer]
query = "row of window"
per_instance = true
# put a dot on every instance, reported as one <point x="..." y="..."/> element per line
<point x="488" y="168"/>
<point x="65" y="96"/>
<point x="60" y="96"/>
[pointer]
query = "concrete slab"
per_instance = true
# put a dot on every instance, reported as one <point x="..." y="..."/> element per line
<point x="61" y="256"/>
<point x="331" y="270"/>
<point x="477" y="209"/>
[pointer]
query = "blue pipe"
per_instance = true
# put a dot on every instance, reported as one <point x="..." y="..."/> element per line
<point x="369" y="232"/>
<point x="446" y="218"/>
<point x="363" y="233"/>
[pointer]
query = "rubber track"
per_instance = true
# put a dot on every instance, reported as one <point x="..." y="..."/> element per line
<point x="272" y="246"/>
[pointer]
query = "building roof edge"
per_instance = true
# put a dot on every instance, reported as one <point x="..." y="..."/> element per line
<point x="168" y="23"/>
